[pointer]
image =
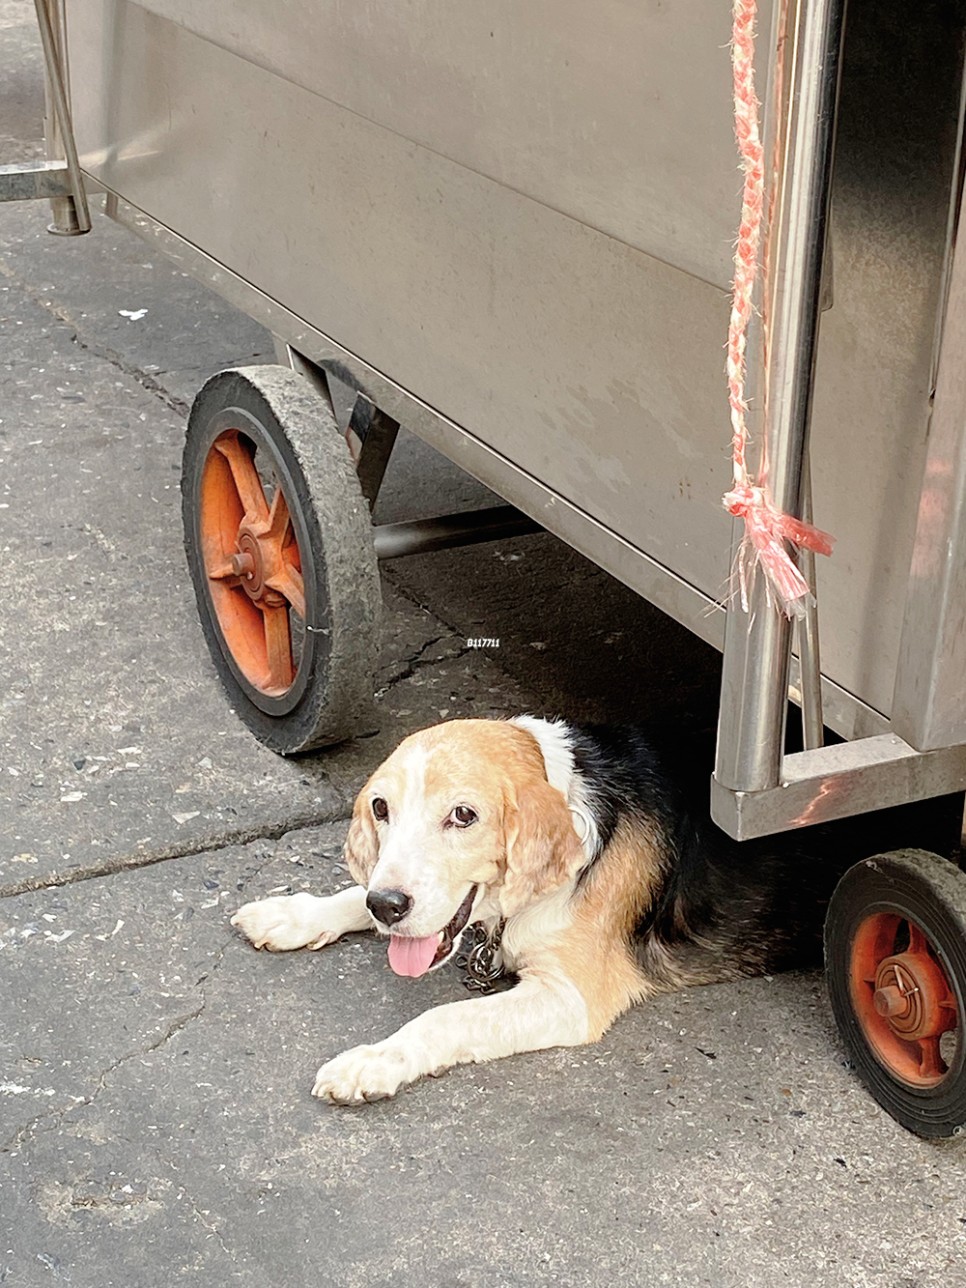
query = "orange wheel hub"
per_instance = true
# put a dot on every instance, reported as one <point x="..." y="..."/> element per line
<point x="252" y="563"/>
<point x="902" y="998"/>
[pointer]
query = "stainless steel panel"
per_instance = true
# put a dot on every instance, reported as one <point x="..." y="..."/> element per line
<point x="553" y="354"/>
<point x="930" y="699"/>
<point x="616" y="113"/>
<point x="593" y="367"/>
<point x="705" y="617"/>
<point x="889" y="236"/>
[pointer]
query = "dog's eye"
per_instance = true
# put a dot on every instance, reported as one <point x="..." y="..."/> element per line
<point x="462" y="816"/>
<point x="380" y="809"/>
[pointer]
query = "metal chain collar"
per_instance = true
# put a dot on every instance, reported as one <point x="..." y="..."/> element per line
<point x="481" y="960"/>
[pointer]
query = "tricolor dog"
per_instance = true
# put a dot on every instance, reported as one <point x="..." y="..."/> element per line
<point x="575" y="849"/>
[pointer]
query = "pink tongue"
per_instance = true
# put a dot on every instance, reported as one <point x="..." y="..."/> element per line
<point x="412" y="956"/>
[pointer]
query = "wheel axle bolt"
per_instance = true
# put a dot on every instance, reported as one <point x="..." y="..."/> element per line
<point x="242" y="564"/>
<point x="890" y="1001"/>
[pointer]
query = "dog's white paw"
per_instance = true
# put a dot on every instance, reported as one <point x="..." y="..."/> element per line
<point x="285" y="922"/>
<point x="363" y="1073"/>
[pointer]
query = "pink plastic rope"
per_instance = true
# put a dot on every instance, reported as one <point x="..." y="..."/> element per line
<point x="767" y="529"/>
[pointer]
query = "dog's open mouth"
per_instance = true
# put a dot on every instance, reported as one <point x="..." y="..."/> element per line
<point x="411" y="955"/>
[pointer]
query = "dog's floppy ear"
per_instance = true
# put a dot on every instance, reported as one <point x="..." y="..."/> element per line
<point x="361" y="848"/>
<point x="542" y="848"/>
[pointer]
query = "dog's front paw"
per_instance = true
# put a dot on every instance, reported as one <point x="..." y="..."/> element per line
<point x="363" y="1073"/>
<point x="285" y="922"/>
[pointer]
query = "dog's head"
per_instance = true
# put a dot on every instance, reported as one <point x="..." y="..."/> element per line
<point x="460" y="822"/>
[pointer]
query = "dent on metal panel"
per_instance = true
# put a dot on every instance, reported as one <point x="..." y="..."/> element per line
<point x="617" y="113"/>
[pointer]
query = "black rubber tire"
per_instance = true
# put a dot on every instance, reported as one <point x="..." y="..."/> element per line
<point x="331" y="698"/>
<point x="931" y="891"/>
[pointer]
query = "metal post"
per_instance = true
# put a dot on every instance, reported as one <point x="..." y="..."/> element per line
<point x="70" y="214"/>
<point x="809" y="652"/>
<point x="447" y="531"/>
<point x="754" y="692"/>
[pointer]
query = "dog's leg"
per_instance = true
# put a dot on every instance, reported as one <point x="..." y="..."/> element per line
<point x="536" y="1014"/>
<point x="303" y="920"/>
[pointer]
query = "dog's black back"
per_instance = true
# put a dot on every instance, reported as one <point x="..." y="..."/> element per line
<point x="724" y="908"/>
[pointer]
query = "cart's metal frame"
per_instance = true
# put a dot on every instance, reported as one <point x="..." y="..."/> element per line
<point x="920" y="752"/>
<point x="59" y="179"/>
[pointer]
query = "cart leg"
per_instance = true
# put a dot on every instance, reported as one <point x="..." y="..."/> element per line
<point x="71" y="215"/>
<point x="368" y="431"/>
<point x="754" y="692"/>
<point x="375" y="433"/>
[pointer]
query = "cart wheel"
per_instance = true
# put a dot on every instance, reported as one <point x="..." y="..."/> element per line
<point x="895" y="958"/>
<point x="280" y="550"/>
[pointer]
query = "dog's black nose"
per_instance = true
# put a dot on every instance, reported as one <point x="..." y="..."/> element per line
<point x="388" y="906"/>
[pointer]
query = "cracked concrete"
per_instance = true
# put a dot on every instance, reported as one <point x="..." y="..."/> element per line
<point x="86" y="742"/>
<point x="675" y="1151"/>
<point x="418" y="661"/>
<point x="76" y="328"/>
<point x="40" y="925"/>
<point x="155" y="1113"/>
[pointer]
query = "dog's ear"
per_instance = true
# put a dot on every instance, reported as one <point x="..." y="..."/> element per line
<point x="361" y="849"/>
<point x="543" y="850"/>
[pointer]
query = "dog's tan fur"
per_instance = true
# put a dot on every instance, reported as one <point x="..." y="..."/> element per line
<point x="594" y="953"/>
<point x="568" y="939"/>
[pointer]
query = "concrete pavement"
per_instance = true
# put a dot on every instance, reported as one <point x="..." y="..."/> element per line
<point x="156" y="1125"/>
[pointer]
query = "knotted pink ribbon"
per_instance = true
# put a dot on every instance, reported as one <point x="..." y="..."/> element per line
<point x="767" y="529"/>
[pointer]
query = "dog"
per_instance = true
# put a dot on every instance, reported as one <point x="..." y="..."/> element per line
<point x="585" y="852"/>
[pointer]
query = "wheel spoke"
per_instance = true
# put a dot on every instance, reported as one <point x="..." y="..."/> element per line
<point x="291" y="554"/>
<point x="278" y="644"/>
<point x="872" y="944"/>
<point x="931" y="1063"/>
<point x="918" y="943"/>
<point x="288" y="582"/>
<point x="279" y="519"/>
<point x="245" y="477"/>
<point x="223" y="571"/>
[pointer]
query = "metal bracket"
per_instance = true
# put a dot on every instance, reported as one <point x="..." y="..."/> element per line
<point x="34" y="181"/>
<point x="369" y="433"/>
<point x="837" y="782"/>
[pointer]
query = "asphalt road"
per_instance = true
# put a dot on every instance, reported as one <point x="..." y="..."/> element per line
<point x="156" y="1125"/>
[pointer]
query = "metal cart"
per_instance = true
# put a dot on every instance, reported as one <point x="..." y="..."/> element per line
<point x="509" y="227"/>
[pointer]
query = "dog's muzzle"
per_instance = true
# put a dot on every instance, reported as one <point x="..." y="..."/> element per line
<point x="415" y="955"/>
